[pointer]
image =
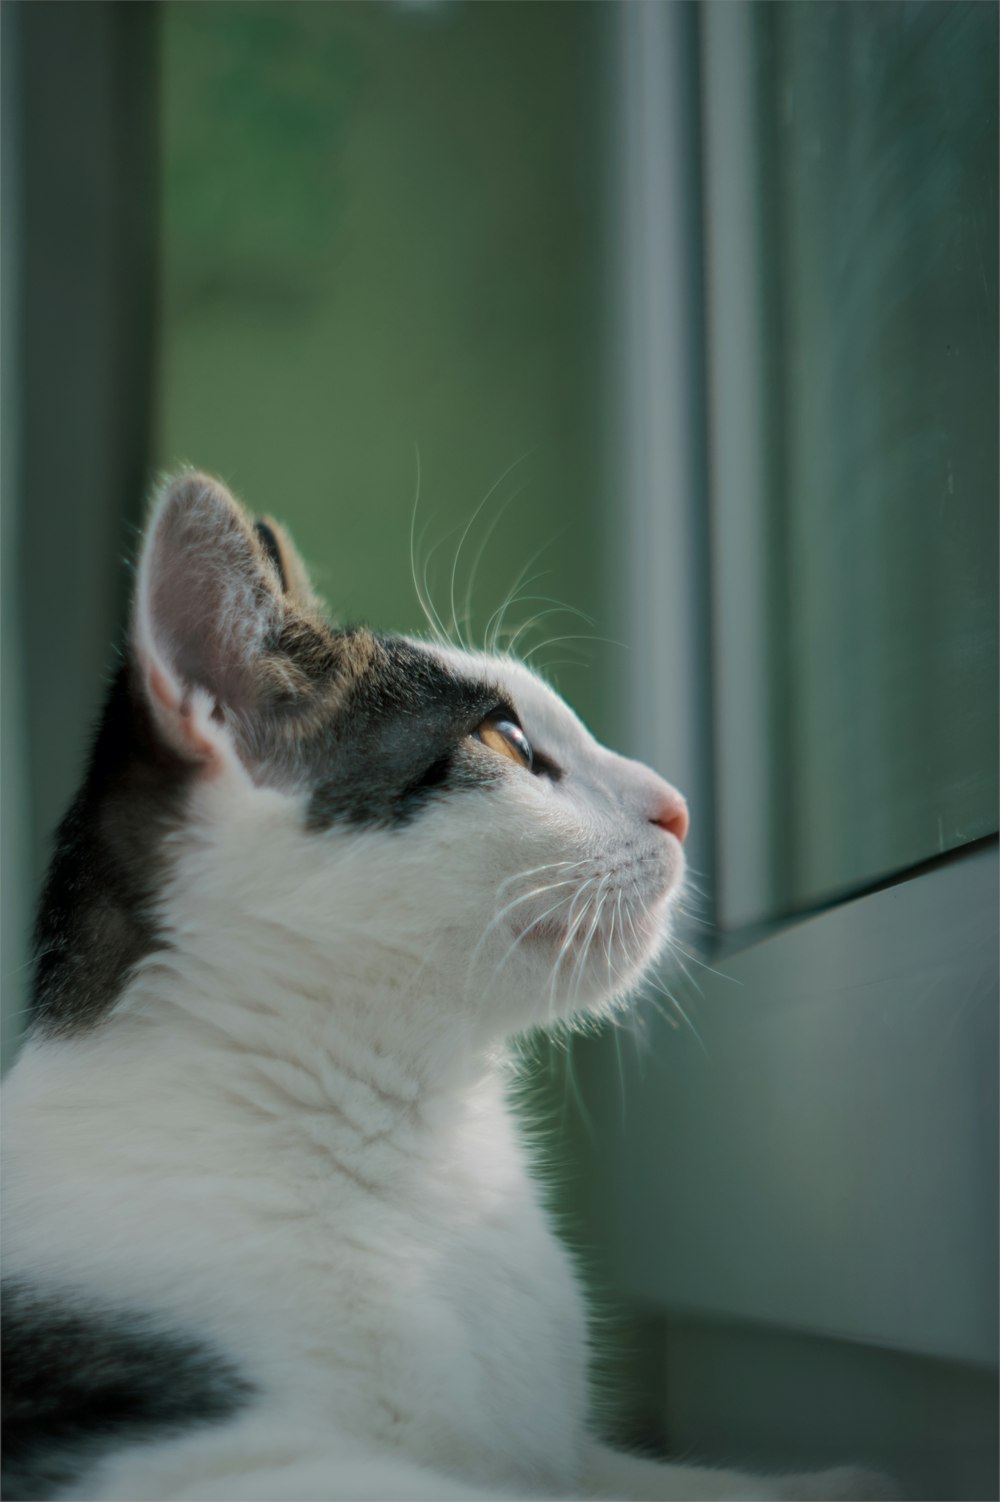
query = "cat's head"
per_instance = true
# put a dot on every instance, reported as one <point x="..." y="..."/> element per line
<point x="382" y="823"/>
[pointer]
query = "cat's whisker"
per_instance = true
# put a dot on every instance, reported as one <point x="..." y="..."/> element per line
<point x="555" y="607"/>
<point x="608" y="941"/>
<point x="572" y="923"/>
<point x="444" y="636"/>
<point x="678" y="949"/>
<point x="693" y="883"/>
<point x="593" y="936"/>
<point x="520" y="583"/>
<point x="464" y="537"/>
<point x="615" y="921"/>
<point x="568" y="898"/>
<point x="568" y="940"/>
<point x="690" y="917"/>
<point x="635" y="945"/>
<point x="562" y="605"/>
<point x="580" y="968"/>
<point x="553" y="641"/>
<point x="686" y="1019"/>
<point x="498" y="515"/>
<point x="684" y="969"/>
<point x="510" y="648"/>
<point x="535" y="870"/>
<point x="494" y="626"/>
<point x="548" y="886"/>
<point x="651" y="998"/>
<point x="509" y="908"/>
<point x="574" y="937"/>
<point x="430" y="615"/>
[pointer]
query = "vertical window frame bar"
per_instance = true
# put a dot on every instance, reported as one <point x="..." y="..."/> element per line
<point x="660" y="439"/>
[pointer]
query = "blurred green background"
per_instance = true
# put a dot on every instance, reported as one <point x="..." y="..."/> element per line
<point x="381" y="238"/>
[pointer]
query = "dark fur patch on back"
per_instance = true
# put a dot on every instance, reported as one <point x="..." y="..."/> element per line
<point x="95" y="916"/>
<point x="80" y="1380"/>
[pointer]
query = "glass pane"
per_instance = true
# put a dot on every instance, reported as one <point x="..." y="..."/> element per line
<point x="879" y="206"/>
<point x="379" y="235"/>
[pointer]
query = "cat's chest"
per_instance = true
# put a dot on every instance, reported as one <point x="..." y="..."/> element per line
<point x="465" y="1317"/>
<point x="414" y="1296"/>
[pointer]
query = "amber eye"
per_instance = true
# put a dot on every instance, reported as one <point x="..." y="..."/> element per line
<point x="507" y="739"/>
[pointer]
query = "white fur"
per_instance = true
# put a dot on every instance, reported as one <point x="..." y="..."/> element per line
<point x="291" y="1136"/>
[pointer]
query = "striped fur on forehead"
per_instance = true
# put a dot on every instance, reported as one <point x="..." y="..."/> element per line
<point x="356" y="719"/>
<point x="307" y="669"/>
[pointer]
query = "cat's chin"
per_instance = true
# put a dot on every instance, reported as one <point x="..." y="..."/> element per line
<point x="593" y="966"/>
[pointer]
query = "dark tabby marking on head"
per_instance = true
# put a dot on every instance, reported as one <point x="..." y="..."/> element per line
<point x="397" y="741"/>
<point x="79" y="1381"/>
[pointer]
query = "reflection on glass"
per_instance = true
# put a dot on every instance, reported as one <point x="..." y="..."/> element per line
<point x="879" y="138"/>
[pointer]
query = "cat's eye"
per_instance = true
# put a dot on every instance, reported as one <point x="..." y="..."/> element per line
<point x="507" y="739"/>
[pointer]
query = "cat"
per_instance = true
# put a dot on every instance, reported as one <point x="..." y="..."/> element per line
<point x="270" y="1231"/>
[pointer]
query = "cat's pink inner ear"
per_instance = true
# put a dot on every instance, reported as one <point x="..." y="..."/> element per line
<point x="206" y="600"/>
<point x="186" y="723"/>
<point x="161" y="691"/>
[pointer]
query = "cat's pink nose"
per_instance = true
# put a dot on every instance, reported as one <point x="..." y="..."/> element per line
<point x="672" y="815"/>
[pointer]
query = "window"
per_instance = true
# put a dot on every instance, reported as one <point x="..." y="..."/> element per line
<point x="859" y="482"/>
<point x="803" y="1173"/>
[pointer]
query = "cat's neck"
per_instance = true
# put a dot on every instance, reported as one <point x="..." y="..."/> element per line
<point x="307" y="974"/>
<point x="352" y="1039"/>
<point x="233" y="1119"/>
<point x="267" y="1086"/>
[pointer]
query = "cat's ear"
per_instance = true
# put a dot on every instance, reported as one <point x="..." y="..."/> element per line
<point x="210" y="598"/>
<point x="292" y="571"/>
